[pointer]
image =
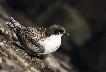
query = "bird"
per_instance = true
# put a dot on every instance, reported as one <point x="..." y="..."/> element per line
<point x="37" y="40"/>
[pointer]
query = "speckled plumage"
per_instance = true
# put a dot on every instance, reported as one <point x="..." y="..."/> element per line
<point x="32" y="38"/>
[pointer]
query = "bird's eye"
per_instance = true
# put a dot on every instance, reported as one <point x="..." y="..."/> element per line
<point x="58" y="31"/>
<point x="61" y="31"/>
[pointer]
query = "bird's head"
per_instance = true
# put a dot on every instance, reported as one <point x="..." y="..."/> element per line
<point x="56" y="30"/>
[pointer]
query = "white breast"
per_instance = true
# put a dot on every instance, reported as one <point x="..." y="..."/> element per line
<point x="51" y="43"/>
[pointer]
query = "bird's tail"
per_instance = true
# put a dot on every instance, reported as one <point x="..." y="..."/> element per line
<point x="13" y="24"/>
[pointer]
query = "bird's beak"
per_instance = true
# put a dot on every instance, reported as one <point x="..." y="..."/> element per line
<point x="66" y="34"/>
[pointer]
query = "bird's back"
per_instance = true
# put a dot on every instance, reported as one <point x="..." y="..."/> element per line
<point x="27" y="36"/>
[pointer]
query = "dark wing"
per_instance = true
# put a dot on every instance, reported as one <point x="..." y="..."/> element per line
<point x="25" y="37"/>
<point x="28" y="42"/>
